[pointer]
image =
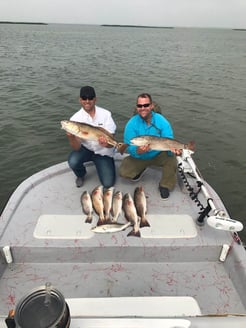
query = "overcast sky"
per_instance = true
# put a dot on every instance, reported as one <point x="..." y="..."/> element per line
<point x="188" y="13"/>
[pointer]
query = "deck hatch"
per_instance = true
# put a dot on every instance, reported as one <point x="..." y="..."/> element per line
<point x="169" y="226"/>
<point x="62" y="227"/>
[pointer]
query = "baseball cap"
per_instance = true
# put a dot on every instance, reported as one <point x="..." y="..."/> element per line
<point x="87" y="92"/>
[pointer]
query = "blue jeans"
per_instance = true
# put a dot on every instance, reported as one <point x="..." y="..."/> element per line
<point x="105" y="165"/>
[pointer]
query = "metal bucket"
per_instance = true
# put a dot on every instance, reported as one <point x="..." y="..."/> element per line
<point x="42" y="308"/>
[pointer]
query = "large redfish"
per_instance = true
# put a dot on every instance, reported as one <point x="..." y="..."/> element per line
<point x="162" y="144"/>
<point x="88" y="132"/>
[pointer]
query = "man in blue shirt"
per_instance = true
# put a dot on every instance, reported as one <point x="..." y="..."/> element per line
<point x="148" y="122"/>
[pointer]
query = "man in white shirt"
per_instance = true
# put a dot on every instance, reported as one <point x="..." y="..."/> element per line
<point x="100" y="152"/>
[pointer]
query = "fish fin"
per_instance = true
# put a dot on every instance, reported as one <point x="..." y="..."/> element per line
<point x="144" y="223"/>
<point x="100" y="222"/>
<point x="109" y="221"/>
<point x="191" y="145"/>
<point x="105" y="131"/>
<point x="88" y="219"/>
<point x="134" y="233"/>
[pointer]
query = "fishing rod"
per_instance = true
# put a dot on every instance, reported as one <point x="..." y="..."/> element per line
<point x="219" y="220"/>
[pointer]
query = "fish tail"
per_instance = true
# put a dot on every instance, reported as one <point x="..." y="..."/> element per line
<point x="144" y="223"/>
<point x="88" y="219"/>
<point x="191" y="145"/>
<point x="121" y="147"/>
<point x="112" y="143"/>
<point x="114" y="219"/>
<point x="134" y="233"/>
<point x="100" y="222"/>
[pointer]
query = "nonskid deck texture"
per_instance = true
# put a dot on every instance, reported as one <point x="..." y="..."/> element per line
<point x="81" y="264"/>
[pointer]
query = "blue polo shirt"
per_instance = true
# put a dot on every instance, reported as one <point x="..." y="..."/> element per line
<point x="136" y="126"/>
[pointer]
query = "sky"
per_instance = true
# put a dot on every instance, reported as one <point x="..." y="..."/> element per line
<point x="177" y="13"/>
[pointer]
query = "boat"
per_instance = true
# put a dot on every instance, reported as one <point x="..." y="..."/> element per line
<point x="187" y="269"/>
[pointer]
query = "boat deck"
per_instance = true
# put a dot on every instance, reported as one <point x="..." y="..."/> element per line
<point x="44" y="226"/>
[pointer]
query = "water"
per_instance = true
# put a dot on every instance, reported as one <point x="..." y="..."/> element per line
<point x="197" y="76"/>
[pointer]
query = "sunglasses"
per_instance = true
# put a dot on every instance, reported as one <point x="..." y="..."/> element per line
<point x="89" y="98"/>
<point x="143" y="105"/>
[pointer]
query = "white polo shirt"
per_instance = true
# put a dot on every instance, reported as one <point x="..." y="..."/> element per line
<point x="102" y="118"/>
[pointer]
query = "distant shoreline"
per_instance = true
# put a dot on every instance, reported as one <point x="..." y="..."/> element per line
<point x="114" y="25"/>
<point x="26" y="23"/>
<point x="136" y="26"/>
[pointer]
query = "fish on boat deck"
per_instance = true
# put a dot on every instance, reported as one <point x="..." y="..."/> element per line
<point x="111" y="228"/>
<point x="116" y="205"/>
<point x="107" y="203"/>
<point x="131" y="215"/>
<point x="87" y="207"/>
<point x="141" y="205"/>
<point x="97" y="202"/>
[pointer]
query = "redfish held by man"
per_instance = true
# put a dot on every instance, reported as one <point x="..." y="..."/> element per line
<point x="88" y="132"/>
<point x="162" y="144"/>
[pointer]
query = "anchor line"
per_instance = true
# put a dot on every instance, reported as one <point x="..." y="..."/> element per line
<point x="193" y="195"/>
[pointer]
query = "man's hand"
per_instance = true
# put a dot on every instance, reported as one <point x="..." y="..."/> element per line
<point x="103" y="141"/>
<point x="177" y="152"/>
<point x="143" y="149"/>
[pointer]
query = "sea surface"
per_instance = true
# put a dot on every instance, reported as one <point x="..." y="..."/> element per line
<point x="197" y="76"/>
